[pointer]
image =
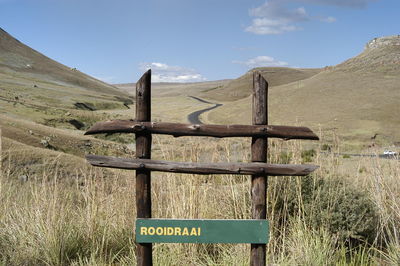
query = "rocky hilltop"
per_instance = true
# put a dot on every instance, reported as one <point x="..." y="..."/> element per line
<point x="383" y="42"/>
<point x="381" y="55"/>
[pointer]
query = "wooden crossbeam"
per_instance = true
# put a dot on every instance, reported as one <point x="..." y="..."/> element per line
<point x="219" y="131"/>
<point x="202" y="168"/>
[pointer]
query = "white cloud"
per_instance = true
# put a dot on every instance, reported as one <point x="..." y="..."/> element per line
<point x="263" y="26"/>
<point x="165" y="73"/>
<point x="274" y="17"/>
<point x="262" y="61"/>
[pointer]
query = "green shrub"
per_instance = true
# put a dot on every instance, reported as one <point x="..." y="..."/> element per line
<point x="326" y="147"/>
<point x="307" y="155"/>
<point x="362" y="169"/>
<point x="344" y="210"/>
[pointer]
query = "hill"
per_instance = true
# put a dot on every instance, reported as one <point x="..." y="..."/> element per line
<point x="381" y="55"/>
<point x="359" y="98"/>
<point x="29" y="78"/>
<point x="32" y="85"/>
<point x="241" y="87"/>
<point x="18" y="59"/>
<point x="166" y="89"/>
<point x="43" y="104"/>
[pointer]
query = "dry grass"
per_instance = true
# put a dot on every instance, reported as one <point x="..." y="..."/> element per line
<point x="89" y="219"/>
<point x="241" y="87"/>
<point x="19" y="60"/>
<point x="357" y="105"/>
<point x="175" y="89"/>
<point x="358" y="97"/>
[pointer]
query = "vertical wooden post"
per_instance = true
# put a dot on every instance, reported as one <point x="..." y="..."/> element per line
<point x="143" y="151"/>
<point x="1" y="156"/>
<point x="259" y="147"/>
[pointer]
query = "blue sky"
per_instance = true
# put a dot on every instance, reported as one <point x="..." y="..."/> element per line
<point x="196" y="40"/>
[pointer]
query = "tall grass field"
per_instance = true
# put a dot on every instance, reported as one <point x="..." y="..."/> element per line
<point x="346" y="213"/>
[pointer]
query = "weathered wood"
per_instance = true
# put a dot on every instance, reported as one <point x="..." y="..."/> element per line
<point x="143" y="151"/>
<point x="255" y="168"/>
<point x="259" y="147"/>
<point x="219" y="131"/>
<point x="1" y="155"/>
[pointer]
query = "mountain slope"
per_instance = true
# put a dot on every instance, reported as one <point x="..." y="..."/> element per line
<point x="37" y="88"/>
<point x="20" y="60"/>
<point x="167" y="89"/>
<point x="43" y="103"/>
<point x="360" y="98"/>
<point x="240" y="88"/>
<point x="381" y="55"/>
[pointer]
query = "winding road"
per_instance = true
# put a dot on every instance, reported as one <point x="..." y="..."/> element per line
<point x="194" y="118"/>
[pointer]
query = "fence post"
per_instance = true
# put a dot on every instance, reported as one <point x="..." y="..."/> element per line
<point x="1" y="156"/>
<point x="259" y="147"/>
<point x="143" y="151"/>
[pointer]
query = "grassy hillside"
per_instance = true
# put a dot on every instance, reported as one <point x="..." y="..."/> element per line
<point x="241" y="87"/>
<point x="359" y="98"/>
<point x="177" y="89"/>
<point x="31" y="80"/>
<point x="42" y="103"/>
<point x="17" y="59"/>
<point x="381" y="55"/>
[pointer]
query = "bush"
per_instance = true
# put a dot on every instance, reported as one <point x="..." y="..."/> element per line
<point x="326" y="147"/>
<point x="307" y="155"/>
<point x="345" y="211"/>
<point x="334" y="205"/>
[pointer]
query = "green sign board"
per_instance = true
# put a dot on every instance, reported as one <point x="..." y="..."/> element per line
<point x="201" y="231"/>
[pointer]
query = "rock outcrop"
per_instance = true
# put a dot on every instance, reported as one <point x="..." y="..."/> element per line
<point x="383" y="41"/>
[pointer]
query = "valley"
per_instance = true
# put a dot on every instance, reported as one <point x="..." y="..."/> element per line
<point x="58" y="210"/>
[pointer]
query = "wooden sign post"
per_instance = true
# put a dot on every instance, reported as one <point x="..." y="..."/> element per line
<point x="149" y="230"/>
<point x="143" y="151"/>
<point x="259" y="147"/>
